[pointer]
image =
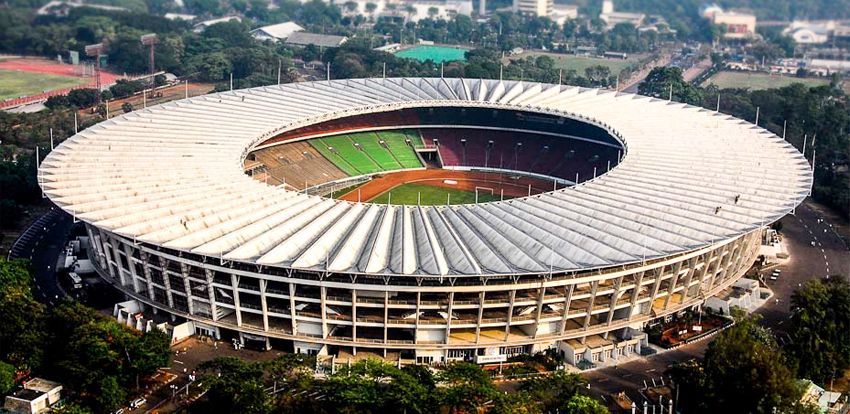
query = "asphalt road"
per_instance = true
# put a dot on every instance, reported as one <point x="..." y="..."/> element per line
<point x="41" y="244"/>
<point x="829" y="255"/>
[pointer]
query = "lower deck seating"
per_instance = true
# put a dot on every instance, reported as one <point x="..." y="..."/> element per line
<point x="298" y="164"/>
<point x="536" y="153"/>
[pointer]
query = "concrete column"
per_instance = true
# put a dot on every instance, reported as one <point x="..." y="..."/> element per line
<point x="129" y="252"/>
<point x="614" y="296"/>
<point x="539" y="311"/>
<point x="635" y="293"/>
<point x="292" y="312"/>
<point x="166" y="281"/>
<point x="211" y="293"/>
<point x="263" y="304"/>
<point x="323" y="291"/>
<point x="568" y="298"/>
<point x="511" y="298"/>
<point x="480" y="317"/>
<point x="593" y="287"/>
<point x="673" y="280"/>
<point x="449" y="318"/>
<point x="187" y="287"/>
<point x="692" y="262"/>
<point x="354" y="315"/>
<point x="386" y="317"/>
<point x="234" y="282"/>
<point x="116" y="261"/>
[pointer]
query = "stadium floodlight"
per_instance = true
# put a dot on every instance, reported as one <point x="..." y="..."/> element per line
<point x="150" y="40"/>
<point x="95" y="51"/>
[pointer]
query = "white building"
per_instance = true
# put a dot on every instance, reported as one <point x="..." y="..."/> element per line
<point x="739" y="25"/>
<point x="534" y="7"/>
<point x="563" y="12"/>
<point x="744" y="294"/>
<point x="613" y="18"/>
<point x="439" y="9"/>
<point x="36" y="397"/>
<point x="276" y="32"/>
<point x="201" y="26"/>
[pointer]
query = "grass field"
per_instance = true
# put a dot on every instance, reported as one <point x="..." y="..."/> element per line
<point x="407" y="194"/>
<point x="436" y="54"/>
<point x="15" y="84"/>
<point x="580" y="63"/>
<point x="758" y="80"/>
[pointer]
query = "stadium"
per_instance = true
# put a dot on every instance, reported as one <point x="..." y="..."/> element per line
<point x="425" y="219"/>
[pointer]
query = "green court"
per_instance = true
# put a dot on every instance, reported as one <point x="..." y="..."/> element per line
<point x="409" y="194"/>
<point x="759" y="80"/>
<point x="437" y="54"/>
<point x="14" y="84"/>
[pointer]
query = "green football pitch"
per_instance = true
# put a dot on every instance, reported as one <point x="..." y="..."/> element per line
<point x="15" y="84"/>
<point x="409" y="194"/>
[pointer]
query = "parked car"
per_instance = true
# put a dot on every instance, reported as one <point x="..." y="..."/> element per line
<point x="138" y="402"/>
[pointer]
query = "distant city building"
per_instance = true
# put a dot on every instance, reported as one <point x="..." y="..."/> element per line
<point x="61" y="8"/>
<point x="408" y="10"/>
<point x="276" y="32"/>
<point x="533" y="7"/>
<point x="180" y="16"/>
<point x="739" y="25"/>
<point x="315" y="39"/>
<point x="613" y="18"/>
<point x="36" y="397"/>
<point x="816" y="32"/>
<point x="201" y="26"/>
<point x="563" y="12"/>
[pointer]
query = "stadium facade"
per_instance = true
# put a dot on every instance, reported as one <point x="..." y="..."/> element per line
<point x="673" y="218"/>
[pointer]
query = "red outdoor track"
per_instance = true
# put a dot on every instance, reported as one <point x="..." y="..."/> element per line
<point x="53" y="68"/>
<point x="513" y="186"/>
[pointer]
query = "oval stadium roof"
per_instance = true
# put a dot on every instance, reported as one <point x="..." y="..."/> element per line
<point x="172" y="175"/>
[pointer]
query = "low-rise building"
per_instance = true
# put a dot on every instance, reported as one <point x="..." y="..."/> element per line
<point x="745" y="294"/>
<point x="739" y="25"/>
<point x="276" y="32"/>
<point x="613" y="18"/>
<point x="201" y="26"/>
<point x="36" y="397"/>
<point x="315" y="39"/>
<point x="828" y="402"/>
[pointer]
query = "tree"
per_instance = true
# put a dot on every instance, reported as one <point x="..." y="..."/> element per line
<point x="21" y="336"/>
<point x="83" y="98"/>
<point x="820" y="328"/>
<point x="110" y="395"/>
<point x="7" y="378"/>
<point x="371" y="7"/>
<point x="233" y="386"/>
<point x="581" y="404"/>
<point x="376" y="387"/>
<point x="465" y="387"/>
<point x="662" y="80"/>
<point x="743" y="371"/>
<point x="551" y="391"/>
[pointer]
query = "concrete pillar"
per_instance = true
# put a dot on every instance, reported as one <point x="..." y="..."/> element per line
<point x="234" y="282"/>
<point x="263" y="304"/>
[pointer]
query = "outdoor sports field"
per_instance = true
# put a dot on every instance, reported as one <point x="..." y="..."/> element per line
<point x="434" y="53"/>
<point x="580" y="63"/>
<point x="408" y="194"/>
<point x="16" y="83"/>
<point x="758" y="80"/>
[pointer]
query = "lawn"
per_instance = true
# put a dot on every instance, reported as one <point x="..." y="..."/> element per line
<point x="14" y="84"/>
<point x="407" y="194"/>
<point x="758" y="80"/>
<point x="437" y="54"/>
<point x="580" y="63"/>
